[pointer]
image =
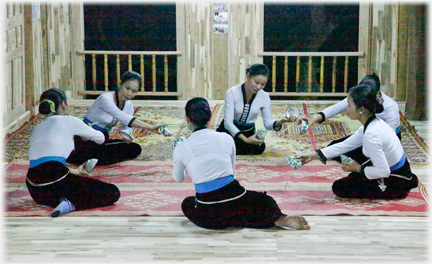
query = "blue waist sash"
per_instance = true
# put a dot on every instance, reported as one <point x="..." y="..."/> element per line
<point x="214" y="184"/>
<point x="87" y="121"/>
<point x="398" y="130"/>
<point x="400" y="163"/>
<point x="34" y="163"/>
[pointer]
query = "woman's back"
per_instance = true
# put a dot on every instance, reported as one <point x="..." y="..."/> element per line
<point x="207" y="155"/>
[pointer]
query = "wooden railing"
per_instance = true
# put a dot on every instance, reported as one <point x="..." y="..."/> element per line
<point x="315" y="63"/>
<point x="118" y="71"/>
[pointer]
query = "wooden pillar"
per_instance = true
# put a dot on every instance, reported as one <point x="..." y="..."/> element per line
<point x="77" y="44"/>
<point x="28" y="49"/>
<point x="416" y="103"/>
<point x="365" y="31"/>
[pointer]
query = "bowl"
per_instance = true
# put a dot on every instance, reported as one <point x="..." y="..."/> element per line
<point x="292" y="111"/>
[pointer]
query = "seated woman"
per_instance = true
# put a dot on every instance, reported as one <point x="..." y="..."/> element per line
<point x="108" y="110"/>
<point x="220" y="201"/>
<point x="390" y="115"/>
<point x="49" y="181"/>
<point x="389" y="175"/>
<point x="242" y="106"/>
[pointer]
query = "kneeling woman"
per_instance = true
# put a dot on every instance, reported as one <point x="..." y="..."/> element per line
<point x="108" y="110"/>
<point x="387" y="175"/>
<point x="49" y="181"/>
<point x="243" y="103"/>
<point x="220" y="201"/>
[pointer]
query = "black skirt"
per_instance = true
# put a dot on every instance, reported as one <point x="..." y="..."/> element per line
<point x="357" y="185"/>
<point x="82" y="192"/>
<point x="243" y="148"/>
<point x="253" y="209"/>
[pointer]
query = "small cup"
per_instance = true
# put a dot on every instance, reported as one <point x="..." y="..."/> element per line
<point x="304" y="127"/>
<point x="345" y="159"/>
<point x="127" y="133"/>
<point x="165" y="131"/>
<point x="89" y="166"/>
<point x="294" y="162"/>
<point x="261" y="133"/>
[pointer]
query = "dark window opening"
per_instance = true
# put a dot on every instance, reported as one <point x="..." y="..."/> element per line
<point x="130" y="27"/>
<point x="311" y="28"/>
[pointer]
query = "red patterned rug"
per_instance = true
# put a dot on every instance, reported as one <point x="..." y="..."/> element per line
<point x="279" y="145"/>
<point x="147" y="188"/>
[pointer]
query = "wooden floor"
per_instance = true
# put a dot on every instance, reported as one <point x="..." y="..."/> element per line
<point x="141" y="239"/>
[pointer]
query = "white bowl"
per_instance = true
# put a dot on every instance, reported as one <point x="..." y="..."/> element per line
<point x="292" y="110"/>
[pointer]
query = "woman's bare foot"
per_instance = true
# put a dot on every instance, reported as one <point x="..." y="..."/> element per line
<point x="294" y="221"/>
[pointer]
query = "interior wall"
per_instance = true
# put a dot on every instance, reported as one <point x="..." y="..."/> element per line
<point x="51" y="53"/>
<point x="211" y="64"/>
<point x="245" y="40"/>
<point x="397" y="53"/>
<point x="415" y="83"/>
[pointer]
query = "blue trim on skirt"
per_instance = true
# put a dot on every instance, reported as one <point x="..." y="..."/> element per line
<point x="34" y="163"/>
<point x="213" y="184"/>
<point x="400" y="163"/>
<point x="87" y="121"/>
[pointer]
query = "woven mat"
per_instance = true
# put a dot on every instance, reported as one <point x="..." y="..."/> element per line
<point x="147" y="188"/>
<point x="279" y="145"/>
<point x="289" y="141"/>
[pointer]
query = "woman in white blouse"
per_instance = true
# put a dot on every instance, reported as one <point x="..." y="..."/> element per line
<point x="49" y="181"/>
<point x="390" y="115"/>
<point x="387" y="174"/>
<point x="220" y="201"/>
<point x="108" y="110"/>
<point x="242" y="106"/>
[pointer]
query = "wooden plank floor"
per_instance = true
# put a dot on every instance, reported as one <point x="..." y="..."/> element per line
<point x="122" y="239"/>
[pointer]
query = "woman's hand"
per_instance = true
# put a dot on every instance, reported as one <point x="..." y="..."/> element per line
<point x="308" y="157"/>
<point x="251" y="140"/>
<point x="156" y="126"/>
<point x="280" y="122"/>
<point x="80" y="171"/>
<point x="352" y="166"/>
<point x="311" y="119"/>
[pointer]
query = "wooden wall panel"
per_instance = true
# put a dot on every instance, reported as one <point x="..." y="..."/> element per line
<point x="215" y="62"/>
<point x="195" y="39"/>
<point x="246" y="39"/>
<point x="14" y="100"/>
<point x="58" y="40"/>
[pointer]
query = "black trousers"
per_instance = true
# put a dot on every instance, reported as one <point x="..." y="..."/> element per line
<point x="243" y="148"/>
<point x="253" y="209"/>
<point x="106" y="153"/>
<point x="357" y="185"/>
<point x="82" y="192"/>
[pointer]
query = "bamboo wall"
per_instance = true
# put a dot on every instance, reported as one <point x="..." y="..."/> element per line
<point x="51" y="49"/>
<point x="194" y="24"/>
<point x="212" y="63"/>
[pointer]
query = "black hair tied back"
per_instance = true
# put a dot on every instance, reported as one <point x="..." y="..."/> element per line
<point x="50" y="101"/>
<point x="198" y="111"/>
<point x="368" y="97"/>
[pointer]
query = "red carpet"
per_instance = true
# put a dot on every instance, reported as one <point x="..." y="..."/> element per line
<point x="147" y="188"/>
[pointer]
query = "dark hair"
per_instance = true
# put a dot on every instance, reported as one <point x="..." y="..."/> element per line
<point x="258" y="69"/>
<point x="368" y="97"/>
<point x="131" y="75"/>
<point x="57" y="96"/>
<point x="198" y="111"/>
<point x="371" y="80"/>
